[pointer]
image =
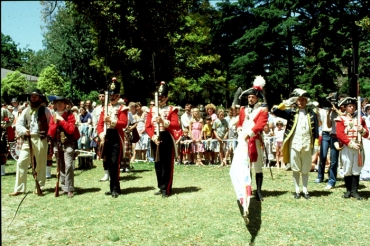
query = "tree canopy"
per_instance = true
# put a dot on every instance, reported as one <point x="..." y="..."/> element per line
<point x="203" y="52"/>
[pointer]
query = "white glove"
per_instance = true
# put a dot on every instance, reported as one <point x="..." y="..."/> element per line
<point x="353" y="145"/>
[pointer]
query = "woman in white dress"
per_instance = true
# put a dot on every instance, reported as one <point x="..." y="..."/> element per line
<point x="365" y="172"/>
<point x="142" y="144"/>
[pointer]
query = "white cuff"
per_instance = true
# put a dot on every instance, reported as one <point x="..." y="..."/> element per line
<point x="250" y="133"/>
<point x="166" y="123"/>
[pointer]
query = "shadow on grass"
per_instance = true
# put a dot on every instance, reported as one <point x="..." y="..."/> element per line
<point x="81" y="191"/>
<point x="254" y="218"/>
<point x="272" y="193"/>
<point x="129" y="178"/>
<point x="364" y="194"/>
<point x="317" y="193"/>
<point x="136" y="189"/>
<point x="140" y="171"/>
<point x="185" y="189"/>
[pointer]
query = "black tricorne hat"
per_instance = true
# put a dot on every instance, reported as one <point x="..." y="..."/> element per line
<point x="347" y="100"/>
<point x="163" y="89"/>
<point x="61" y="98"/>
<point x="114" y="87"/>
<point x="299" y="93"/>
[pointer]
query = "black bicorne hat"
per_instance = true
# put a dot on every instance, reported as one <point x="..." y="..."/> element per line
<point x="163" y="89"/>
<point x="347" y="100"/>
<point x="114" y="87"/>
<point x="257" y="88"/>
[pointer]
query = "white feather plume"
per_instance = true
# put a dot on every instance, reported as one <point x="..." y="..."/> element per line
<point x="259" y="81"/>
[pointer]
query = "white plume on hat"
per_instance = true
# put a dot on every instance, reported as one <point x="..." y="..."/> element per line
<point x="259" y="82"/>
<point x="257" y="88"/>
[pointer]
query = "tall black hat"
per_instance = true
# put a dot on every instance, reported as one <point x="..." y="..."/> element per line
<point x="163" y="89"/>
<point x="114" y="87"/>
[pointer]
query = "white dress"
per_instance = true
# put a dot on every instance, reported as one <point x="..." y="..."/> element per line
<point x="365" y="172"/>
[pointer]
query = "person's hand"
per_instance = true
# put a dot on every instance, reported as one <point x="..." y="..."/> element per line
<point x="27" y="133"/>
<point x="58" y="117"/>
<point x="247" y="137"/>
<point x="354" y="145"/>
<point x="158" y="119"/>
<point x="360" y="128"/>
<point x="107" y="120"/>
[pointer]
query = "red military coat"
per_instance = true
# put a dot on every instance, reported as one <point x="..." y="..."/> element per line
<point x="68" y="125"/>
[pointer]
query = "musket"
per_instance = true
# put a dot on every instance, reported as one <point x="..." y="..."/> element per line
<point x="102" y="155"/>
<point x="60" y="161"/>
<point x="157" y="130"/>
<point x="34" y="173"/>
<point x="359" y="137"/>
<point x="157" y="112"/>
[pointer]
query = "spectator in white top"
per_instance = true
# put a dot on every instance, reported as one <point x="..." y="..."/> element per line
<point x="186" y="117"/>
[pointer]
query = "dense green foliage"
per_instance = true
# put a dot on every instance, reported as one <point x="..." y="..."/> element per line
<point x="203" y="51"/>
<point x="14" y="85"/>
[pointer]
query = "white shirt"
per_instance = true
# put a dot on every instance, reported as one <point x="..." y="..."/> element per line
<point x="185" y="120"/>
<point x="323" y="114"/>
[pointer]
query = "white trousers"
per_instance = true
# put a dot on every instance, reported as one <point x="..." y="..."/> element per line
<point x="40" y="150"/>
<point x="300" y="161"/>
<point x="350" y="162"/>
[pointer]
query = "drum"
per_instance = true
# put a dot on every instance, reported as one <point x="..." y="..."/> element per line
<point x="85" y="161"/>
<point x="14" y="152"/>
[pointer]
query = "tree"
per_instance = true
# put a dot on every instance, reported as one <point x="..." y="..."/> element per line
<point x="50" y="82"/>
<point x="10" y="54"/>
<point x="13" y="85"/>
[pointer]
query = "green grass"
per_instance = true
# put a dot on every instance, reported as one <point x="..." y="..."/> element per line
<point x="201" y="211"/>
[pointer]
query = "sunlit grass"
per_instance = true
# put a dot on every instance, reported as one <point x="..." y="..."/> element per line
<point x="201" y="211"/>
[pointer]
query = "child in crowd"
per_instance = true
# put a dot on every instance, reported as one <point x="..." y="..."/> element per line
<point x="184" y="142"/>
<point x="268" y="139"/>
<point x="208" y="143"/>
<point x="279" y="137"/>
<point x="196" y="126"/>
<point x="221" y="130"/>
<point x="233" y="134"/>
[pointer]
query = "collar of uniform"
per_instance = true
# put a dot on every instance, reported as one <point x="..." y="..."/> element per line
<point x="163" y="106"/>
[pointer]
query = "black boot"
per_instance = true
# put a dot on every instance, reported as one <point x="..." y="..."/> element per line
<point x="348" y="183"/>
<point x="259" y="180"/>
<point x="355" y="185"/>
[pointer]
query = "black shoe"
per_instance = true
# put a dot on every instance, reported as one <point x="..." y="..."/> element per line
<point x="108" y="193"/>
<point x="356" y="195"/>
<point x="306" y="196"/>
<point x="259" y="196"/>
<point x="164" y="195"/>
<point x="115" y="194"/>
<point x="347" y="195"/>
<point x="297" y="196"/>
<point x="157" y="193"/>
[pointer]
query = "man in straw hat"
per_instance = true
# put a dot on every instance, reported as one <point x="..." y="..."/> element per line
<point x="33" y="123"/>
<point x="299" y="137"/>
<point x="115" y="120"/>
<point x="348" y="129"/>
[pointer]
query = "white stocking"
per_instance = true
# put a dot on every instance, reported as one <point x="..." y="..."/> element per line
<point x="296" y="181"/>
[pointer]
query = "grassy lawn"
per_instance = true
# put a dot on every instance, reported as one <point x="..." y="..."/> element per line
<point x="202" y="211"/>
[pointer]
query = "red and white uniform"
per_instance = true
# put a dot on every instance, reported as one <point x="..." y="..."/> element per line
<point x="252" y="120"/>
<point x="170" y="118"/>
<point x="346" y="126"/>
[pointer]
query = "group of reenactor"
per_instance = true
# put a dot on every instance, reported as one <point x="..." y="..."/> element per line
<point x="36" y="124"/>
